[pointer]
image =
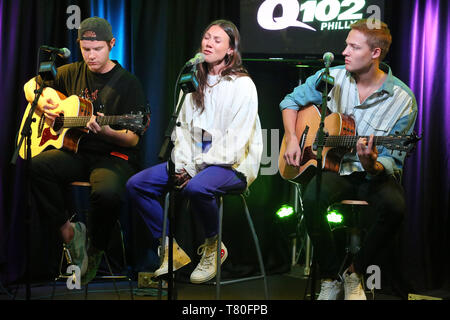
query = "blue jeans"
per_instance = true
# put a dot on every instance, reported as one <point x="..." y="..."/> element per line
<point x="147" y="186"/>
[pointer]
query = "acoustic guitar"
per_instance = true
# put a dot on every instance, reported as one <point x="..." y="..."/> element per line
<point x="340" y="138"/>
<point x="68" y="128"/>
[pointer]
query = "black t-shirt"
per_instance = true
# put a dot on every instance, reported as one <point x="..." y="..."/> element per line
<point x="126" y="96"/>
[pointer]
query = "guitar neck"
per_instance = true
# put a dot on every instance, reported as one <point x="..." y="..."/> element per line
<point x="80" y="122"/>
<point x="350" y="141"/>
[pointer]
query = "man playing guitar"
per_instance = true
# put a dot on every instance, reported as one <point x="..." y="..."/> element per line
<point x="106" y="157"/>
<point x="380" y="105"/>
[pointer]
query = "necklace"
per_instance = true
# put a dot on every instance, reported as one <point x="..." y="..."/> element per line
<point x="215" y="84"/>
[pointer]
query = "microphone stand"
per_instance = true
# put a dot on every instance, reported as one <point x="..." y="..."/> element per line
<point x="189" y="84"/>
<point x="47" y="70"/>
<point x="327" y="79"/>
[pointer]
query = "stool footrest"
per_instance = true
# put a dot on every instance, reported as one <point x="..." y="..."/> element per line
<point x="355" y="202"/>
<point x="112" y="277"/>
<point x="239" y="280"/>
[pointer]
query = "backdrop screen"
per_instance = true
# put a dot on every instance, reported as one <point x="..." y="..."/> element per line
<point x="302" y="27"/>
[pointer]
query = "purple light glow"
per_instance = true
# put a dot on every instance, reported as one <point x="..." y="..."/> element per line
<point x="447" y="86"/>
<point x="416" y="71"/>
<point x="430" y="39"/>
<point x="426" y="60"/>
<point x="1" y="36"/>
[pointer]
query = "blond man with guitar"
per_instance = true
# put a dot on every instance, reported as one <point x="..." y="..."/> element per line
<point x="369" y="107"/>
<point x="87" y="116"/>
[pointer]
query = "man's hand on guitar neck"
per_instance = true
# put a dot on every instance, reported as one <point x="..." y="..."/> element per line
<point x="123" y="138"/>
<point x="93" y="125"/>
<point x="368" y="155"/>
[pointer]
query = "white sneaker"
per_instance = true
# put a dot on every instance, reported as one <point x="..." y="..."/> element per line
<point x="330" y="290"/>
<point x="207" y="267"/>
<point x="353" y="287"/>
<point x="180" y="259"/>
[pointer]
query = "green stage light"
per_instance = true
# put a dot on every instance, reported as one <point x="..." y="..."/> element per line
<point x="285" y="211"/>
<point x="335" y="217"/>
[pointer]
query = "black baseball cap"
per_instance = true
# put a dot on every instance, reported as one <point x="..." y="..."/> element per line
<point x="99" y="26"/>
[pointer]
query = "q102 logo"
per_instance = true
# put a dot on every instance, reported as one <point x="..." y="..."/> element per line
<point x="332" y="14"/>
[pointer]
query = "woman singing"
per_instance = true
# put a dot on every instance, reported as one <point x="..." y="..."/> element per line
<point x="217" y="148"/>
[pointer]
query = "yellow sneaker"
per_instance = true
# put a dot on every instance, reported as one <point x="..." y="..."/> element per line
<point x="180" y="259"/>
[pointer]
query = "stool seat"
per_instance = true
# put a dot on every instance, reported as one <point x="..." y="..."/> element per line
<point x="355" y="202"/>
<point x="80" y="184"/>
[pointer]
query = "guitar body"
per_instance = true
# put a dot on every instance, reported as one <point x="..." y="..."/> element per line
<point x="44" y="135"/>
<point x="307" y="126"/>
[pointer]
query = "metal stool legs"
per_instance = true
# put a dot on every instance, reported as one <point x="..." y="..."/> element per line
<point x="112" y="276"/>
<point x="163" y="241"/>
<point x="258" y="252"/>
<point x="65" y="253"/>
<point x="218" y="282"/>
<point x="353" y="233"/>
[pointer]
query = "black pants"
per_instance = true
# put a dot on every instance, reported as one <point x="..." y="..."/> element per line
<point x="53" y="170"/>
<point x="383" y="193"/>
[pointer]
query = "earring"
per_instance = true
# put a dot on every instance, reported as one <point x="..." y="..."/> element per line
<point x="229" y="57"/>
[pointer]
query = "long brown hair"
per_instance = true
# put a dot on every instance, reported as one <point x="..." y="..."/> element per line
<point x="233" y="62"/>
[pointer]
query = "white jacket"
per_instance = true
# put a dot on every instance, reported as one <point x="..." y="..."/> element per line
<point x="229" y="120"/>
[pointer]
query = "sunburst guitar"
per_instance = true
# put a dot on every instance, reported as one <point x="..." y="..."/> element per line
<point x="68" y="128"/>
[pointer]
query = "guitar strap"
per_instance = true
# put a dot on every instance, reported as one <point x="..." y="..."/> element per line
<point x="107" y="91"/>
<point x="108" y="88"/>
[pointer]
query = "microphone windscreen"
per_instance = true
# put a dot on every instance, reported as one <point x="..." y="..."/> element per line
<point x="200" y="57"/>
<point x="328" y="56"/>
<point x="66" y="52"/>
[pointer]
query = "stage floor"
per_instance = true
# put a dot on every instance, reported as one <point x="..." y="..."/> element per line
<point x="289" y="286"/>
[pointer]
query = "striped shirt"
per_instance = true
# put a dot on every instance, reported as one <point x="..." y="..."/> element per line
<point x="390" y="110"/>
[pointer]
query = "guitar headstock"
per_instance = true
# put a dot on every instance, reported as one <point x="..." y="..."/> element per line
<point x="403" y="143"/>
<point x="136" y="122"/>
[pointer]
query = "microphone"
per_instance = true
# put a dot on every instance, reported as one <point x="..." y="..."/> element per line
<point x="63" y="52"/>
<point x="325" y="77"/>
<point x="198" y="58"/>
<point x="328" y="58"/>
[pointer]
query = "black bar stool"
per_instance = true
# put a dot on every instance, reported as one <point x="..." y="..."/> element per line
<point x="353" y="228"/>
<point x="218" y="281"/>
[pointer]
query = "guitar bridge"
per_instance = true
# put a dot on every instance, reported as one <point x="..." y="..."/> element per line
<point x="303" y="138"/>
<point x="41" y="126"/>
